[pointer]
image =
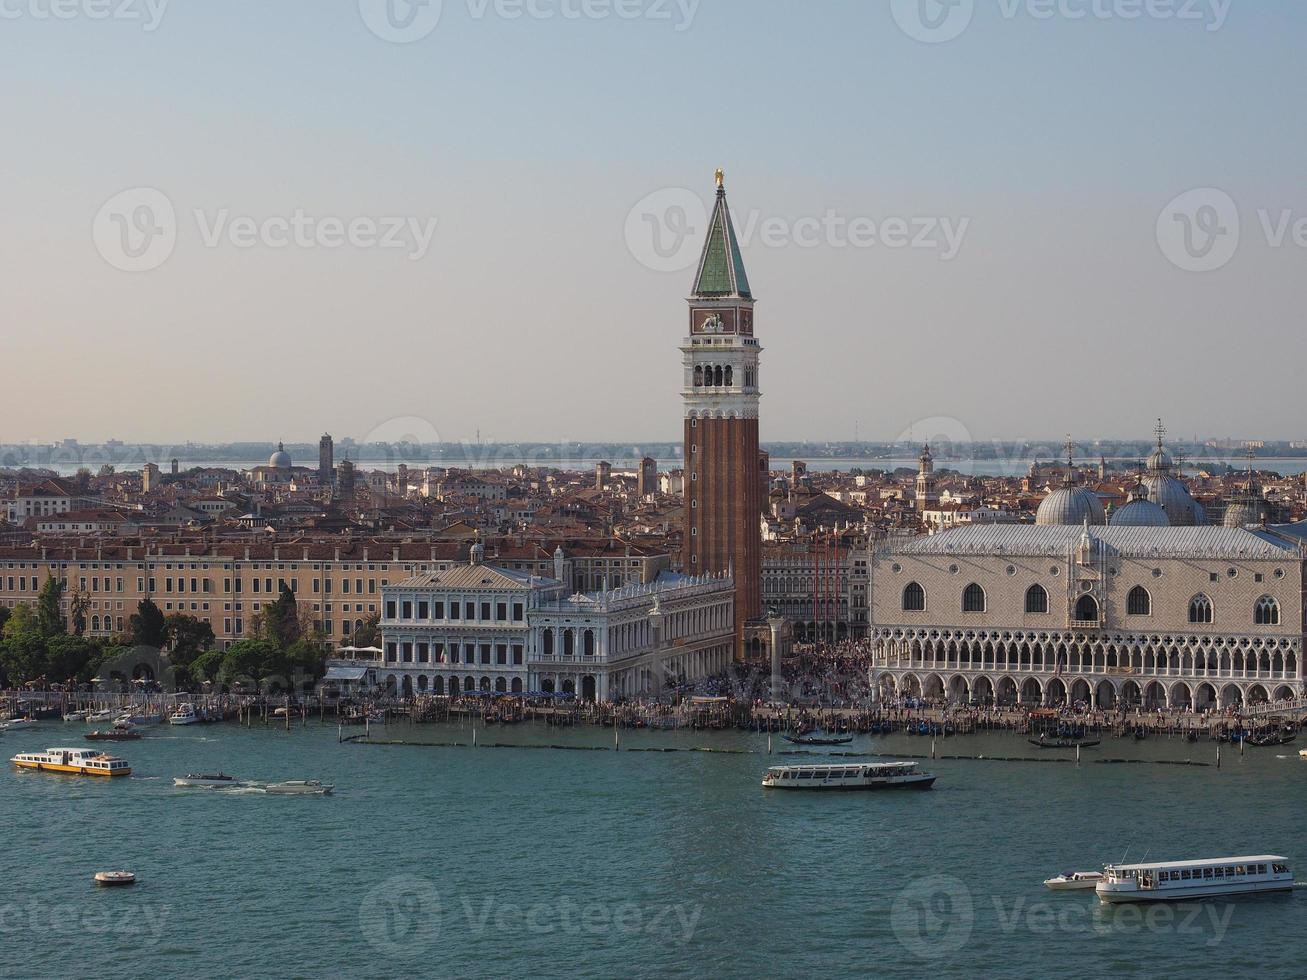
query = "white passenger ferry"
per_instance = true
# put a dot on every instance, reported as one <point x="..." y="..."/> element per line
<point x="1183" y="880"/>
<point x="77" y="762"/>
<point x="867" y="775"/>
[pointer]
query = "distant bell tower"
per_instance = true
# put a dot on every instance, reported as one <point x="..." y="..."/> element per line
<point x="927" y="494"/>
<point x="326" y="460"/>
<point x="723" y="495"/>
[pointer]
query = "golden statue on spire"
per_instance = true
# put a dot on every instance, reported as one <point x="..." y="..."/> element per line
<point x="721" y="177"/>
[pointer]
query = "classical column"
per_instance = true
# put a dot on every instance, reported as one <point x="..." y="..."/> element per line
<point x="777" y="681"/>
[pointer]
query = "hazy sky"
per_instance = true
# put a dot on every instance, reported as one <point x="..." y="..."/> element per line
<point x="1050" y="148"/>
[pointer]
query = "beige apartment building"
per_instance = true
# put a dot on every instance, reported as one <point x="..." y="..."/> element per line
<point x="227" y="583"/>
<point x="1152" y="616"/>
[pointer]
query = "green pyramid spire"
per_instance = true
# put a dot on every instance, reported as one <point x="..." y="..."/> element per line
<point x="721" y="268"/>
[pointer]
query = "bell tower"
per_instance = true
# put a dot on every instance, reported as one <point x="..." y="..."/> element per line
<point x="720" y="391"/>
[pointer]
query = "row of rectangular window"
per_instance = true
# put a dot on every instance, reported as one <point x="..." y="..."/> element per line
<point x="409" y="652"/>
<point x="424" y="610"/>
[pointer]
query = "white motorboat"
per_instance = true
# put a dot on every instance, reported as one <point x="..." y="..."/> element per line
<point x="14" y="724"/>
<point x="299" y="787"/>
<point x="76" y="716"/>
<point x="206" y="780"/>
<point x="1174" y="881"/>
<point x="866" y="775"/>
<point x="184" y="715"/>
<point x="1302" y="753"/>
<point x="98" y="716"/>
<point x="1074" y="881"/>
<point x="115" y="878"/>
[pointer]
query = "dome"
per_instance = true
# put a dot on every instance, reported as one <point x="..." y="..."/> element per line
<point x="1247" y="509"/>
<point x="1173" y="497"/>
<point x="1071" y="506"/>
<point x="280" y="460"/>
<point x="1159" y="461"/>
<point x="1140" y="513"/>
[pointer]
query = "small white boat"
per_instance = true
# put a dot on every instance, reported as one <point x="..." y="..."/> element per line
<point x="1302" y="753"/>
<point x="184" y="715"/>
<point x="14" y="724"/>
<point x="299" y="787"/>
<point x="114" y="878"/>
<point x="98" y="716"/>
<point x="206" y="780"/>
<point x="1074" y="881"/>
<point x="76" y="716"/>
<point x="1177" y="881"/>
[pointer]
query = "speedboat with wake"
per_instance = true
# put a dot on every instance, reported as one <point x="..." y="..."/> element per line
<point x="1074" y="881"/>
<point x="299" y="787"/>
<point x="206" y="780"/>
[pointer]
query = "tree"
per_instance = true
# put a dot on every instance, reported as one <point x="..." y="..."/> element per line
<point x="187" y="637"/>
<point x="21" y="620"/>
<point x="68" y="656"/>
<point x="77" y="606"/>
<point x="304" y="662"/>
<point x="250" y="660"/>
<point x="205" y="667"/>
<point x="147" y="625"/>
<point x="281" y="620"/>
<point x="49" y="616"/>
<point x="368" y="634"/>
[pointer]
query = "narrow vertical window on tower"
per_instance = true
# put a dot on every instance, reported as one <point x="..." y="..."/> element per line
<point x="720" y="357"/>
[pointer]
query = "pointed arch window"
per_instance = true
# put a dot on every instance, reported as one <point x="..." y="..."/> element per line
<point x="1139" y="602"/>
<point x="1087" y="609"/>
<point x="1266" y="612"/>
<point x="1036" y="600"/>
<point x="1200" y="609"/>
<point x="973" y="599"/>
<point x="914" y="598"/>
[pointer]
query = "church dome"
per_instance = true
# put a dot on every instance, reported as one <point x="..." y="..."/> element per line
<point x="1159" y="461"/>
<point x="1173" y="497"/>
<point x="1140" y="513"/>
<point x="1071" y="506"/>
<point x="280" y="460"/>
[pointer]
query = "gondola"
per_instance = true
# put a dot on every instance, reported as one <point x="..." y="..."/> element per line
<point x="1063" y="743"/>
<point x="816" y="739"/>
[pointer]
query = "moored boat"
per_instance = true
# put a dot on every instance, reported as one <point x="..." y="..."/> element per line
<point x="76" y="762"/>
<point x="76" y="716"/>
<point x="817" y="738"/>
<point x="15" y="724"/>
<point x="864" y="775"/>
<point x="1044" y="742"/>
<point x="299" y="787"/>
<point x="184" y="715"/>
<point x="1074" y="881"/>
<point x="98" y="716"/>
<point x="121" y="732"/>
<point x="1172" y="881"/>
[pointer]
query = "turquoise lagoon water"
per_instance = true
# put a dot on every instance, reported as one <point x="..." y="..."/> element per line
<point x="489" y="862"/>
